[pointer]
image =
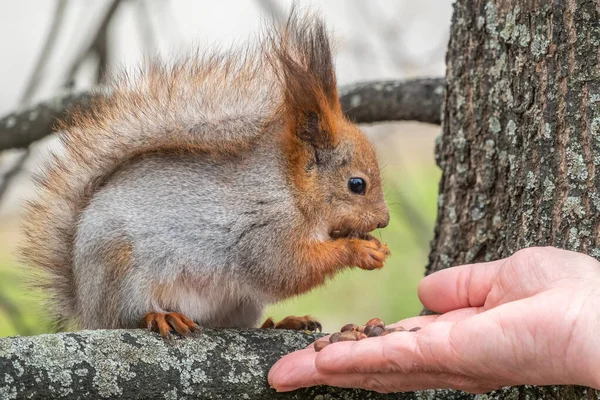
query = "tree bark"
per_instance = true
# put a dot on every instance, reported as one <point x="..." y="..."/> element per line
<point x="521" y="143"/>
<point x="21" y="128"/>
<point x="520" y="146"/>
<point x="411" y="100"/>
<point x="136" y="364"/>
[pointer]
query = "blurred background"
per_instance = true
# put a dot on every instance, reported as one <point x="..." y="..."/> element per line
<point x="375" y="40"/>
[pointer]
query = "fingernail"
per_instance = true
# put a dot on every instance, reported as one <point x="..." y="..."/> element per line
<point x="285" y="389"/>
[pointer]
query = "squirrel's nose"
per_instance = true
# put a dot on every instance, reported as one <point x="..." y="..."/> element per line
<point x="385" y="221"/>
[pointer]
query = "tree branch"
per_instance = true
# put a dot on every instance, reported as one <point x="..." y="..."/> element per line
<point x="221" y="364"/>
<point x="21" y="128"/>
<point x="96" y="44"/>
<point x="217" y="364"/>
<point x="7" y="177"/>
<point x="410" y="100"/>
<point x="368" y="102"/>
<point x="47" y="48"/>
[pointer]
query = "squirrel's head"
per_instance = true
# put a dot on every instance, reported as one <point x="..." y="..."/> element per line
<point x="332" y="165"/>
<point x="346" y="181"/>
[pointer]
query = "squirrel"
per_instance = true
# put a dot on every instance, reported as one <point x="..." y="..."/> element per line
<point x="194" y="193"/>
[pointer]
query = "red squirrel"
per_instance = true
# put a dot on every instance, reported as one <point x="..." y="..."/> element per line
<point x="197" y="192"/>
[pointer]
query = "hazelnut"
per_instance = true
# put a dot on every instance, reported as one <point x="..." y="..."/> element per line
<point x="347" y="336"/>
<point x="376" y="322"/>
<point x="321" y="344"/>
<point x="334" y="337"/>
<point x="349" y="327"/>
<point x="375" y="331"/>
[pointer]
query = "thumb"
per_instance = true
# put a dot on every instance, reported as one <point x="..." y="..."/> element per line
<point x="459" y="287"/>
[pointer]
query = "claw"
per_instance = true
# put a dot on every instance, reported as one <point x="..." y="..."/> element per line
<point x="164" y="323"/>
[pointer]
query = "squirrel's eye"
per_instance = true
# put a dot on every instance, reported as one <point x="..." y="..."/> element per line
<point x="357" y="185"/>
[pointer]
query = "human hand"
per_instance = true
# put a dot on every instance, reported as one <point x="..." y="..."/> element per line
<point x="532" y="318"/>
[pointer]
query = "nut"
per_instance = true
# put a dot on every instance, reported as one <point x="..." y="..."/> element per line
<point x="348" y="336"/>
<point x="349" y="327"/>
<point x="376" y="322"/>
<point x="416" y="328"/>
<point x="334" y="337"/>
<point x="321" y="344"/>
<point x="375" y="331"/>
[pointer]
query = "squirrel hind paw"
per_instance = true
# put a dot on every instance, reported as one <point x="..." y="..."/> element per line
<point x="305" y="323"/>
<point x="165" y="323"/>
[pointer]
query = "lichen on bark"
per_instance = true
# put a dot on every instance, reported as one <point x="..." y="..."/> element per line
<point x="135" y="364"/>
<point x="521" y="144"/>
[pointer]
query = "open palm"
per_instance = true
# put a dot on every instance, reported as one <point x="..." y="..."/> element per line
<point x="529" y="319"/>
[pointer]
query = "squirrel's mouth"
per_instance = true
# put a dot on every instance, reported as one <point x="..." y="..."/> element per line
<point x="349" y="233"/>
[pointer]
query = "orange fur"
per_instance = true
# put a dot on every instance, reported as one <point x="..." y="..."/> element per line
<point x="325" y="259"/>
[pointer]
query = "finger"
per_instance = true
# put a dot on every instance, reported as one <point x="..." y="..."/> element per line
<point x="295" y="370"/>
<point x="398" y="351"/>
<point x="393" y="352"/>
<point x="393" y="382"/>
<point x="425" y="320"/>
<point x="458" y="287"/>
<point x="402" y="382"/>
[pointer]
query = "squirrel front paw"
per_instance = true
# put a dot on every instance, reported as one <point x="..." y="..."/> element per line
<point x="368" y="253"/>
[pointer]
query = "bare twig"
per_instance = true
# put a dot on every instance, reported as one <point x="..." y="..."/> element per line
<point x="36" y="75"/>
<point x="147" y="33"/>
<point x="273" y="9"/>
<point x="34" y="81"/>
<point x="94" y="44"/>
<point x="100" y="49"/>
<point x="410" y="100"/>
<point x="12" y="171"/>
<point x="21" y="128"/>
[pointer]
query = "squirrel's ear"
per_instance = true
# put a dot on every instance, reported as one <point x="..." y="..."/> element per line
<point x="315" y="127"/>
<point x="305" y="67"/>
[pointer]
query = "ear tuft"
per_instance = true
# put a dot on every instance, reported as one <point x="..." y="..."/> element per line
<point x="304" y="65"/>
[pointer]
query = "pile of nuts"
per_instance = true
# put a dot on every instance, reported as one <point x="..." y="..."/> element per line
<point x="352" y="332"/>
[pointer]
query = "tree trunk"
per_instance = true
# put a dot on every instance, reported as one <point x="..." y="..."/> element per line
<point x="520" y="144"/>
